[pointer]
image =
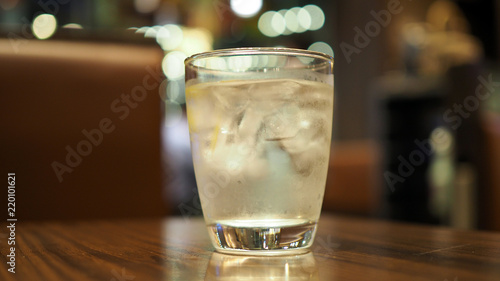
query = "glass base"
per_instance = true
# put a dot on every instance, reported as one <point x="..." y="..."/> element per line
<point x="264" y="240"/>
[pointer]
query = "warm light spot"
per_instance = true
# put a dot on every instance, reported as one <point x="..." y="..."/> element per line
<point x="173" y="65"/>
<point x="169" y="36"/>
<point x="152" y="32"/>
<point x="163" y="34"/>
<point x="414" y="34"/>
<point x="44" y="26"/>
<point x="73" y="26"/>
<point x="441" y="139"/>
<point x="196" y="40"/>
<point x="142" y="29"/>
<point x="246" y="8"/>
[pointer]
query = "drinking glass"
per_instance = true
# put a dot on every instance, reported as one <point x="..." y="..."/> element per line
<point x="260" y="123"/>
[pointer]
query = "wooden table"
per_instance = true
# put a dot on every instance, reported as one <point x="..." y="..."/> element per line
<point x="179" y="249"/>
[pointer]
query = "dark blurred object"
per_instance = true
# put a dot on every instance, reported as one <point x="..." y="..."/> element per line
<point x="490" y="207"/>
<point x="411" y="107"/>
<point x="80" y="128"/>
<point x="435" y="146"/>
<point x="483" y="19"/>
<point x="470" y="152"/>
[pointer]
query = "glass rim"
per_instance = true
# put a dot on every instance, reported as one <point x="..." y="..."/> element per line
<point x="258" y="51"/>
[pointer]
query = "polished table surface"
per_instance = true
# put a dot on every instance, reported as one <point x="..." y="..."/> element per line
<point x="179" y="249"/>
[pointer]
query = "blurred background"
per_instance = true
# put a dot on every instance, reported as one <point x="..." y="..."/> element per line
<point x="93" y="121"/>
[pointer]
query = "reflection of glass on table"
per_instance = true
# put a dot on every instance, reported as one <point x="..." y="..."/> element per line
<point x="290" y="268"/>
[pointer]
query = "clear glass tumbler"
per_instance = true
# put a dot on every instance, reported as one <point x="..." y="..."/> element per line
<point x="260" y="123"/>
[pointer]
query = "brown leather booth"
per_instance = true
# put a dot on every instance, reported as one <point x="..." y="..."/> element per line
<point x="352" y="185"/>
<point x="80" y="128"/>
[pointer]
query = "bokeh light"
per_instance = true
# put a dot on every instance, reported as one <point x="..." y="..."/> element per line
<point x="278" y="23"/>
<point x="162" y="90"/>
<point x="296" y="11"/>
<point x="169" y="36"/>
<point x="292" y="23"/>
<point x="317" y="16"/>
<point x="172" y="91"/>
<point x="73" y="26"/>
<point x="272" y="24"/>
<point x="195" y="40"/>
<point x="173" y="65"/>
<point x="175" y="91"/>
<point x="173" y="113"/>
<point x="264" y="24"/>
<point x="294" y="20"/>
<point x="151" y="32"/>
<point x="44" y="26"/>
<point x="246" y="8"/>
<point x="414" y="34"/>
<point x="286" y="31"/>
<point x="141" y="29"/>
<point x="304" y="19"/>
<point x="321" y="47"/>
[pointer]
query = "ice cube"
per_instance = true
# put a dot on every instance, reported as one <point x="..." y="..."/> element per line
<point x="284" y="90"/>
<point x="307" y="146"/>
<point x="230" y="99"/>
<point x="282" y="123"/>
<point x="305" y="161"/>
<point x="250" y="124"/>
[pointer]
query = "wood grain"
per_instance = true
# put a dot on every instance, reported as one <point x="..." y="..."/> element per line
<point x="179" y="249"/>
